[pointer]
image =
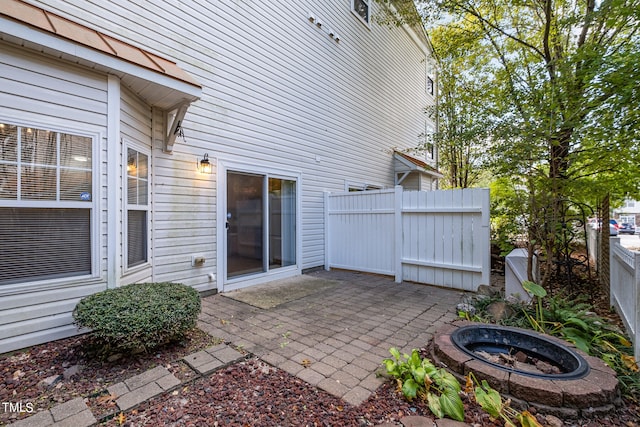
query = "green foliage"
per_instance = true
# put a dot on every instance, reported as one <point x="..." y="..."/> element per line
<point x="538" y="292"/>
<point x="541" y="93"/>
<point x="508" y="214"/>
<point x="419" y="378"/>
<point x="491" y="402"/>
<point x="464" y="106"/>
<point x="139" y="316"/>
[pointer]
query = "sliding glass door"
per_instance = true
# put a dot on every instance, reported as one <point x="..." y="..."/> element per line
<point x="260" y="223"/>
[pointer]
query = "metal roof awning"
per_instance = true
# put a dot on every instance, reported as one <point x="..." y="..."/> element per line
<point x="159" y="81"/>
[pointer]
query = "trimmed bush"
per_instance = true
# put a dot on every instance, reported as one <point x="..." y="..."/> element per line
<point x="139" y="316"/>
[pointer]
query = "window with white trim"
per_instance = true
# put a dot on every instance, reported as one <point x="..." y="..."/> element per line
<point x="430" y="142"/>
<point x="362" y="9"/>
<point x="137" y="208"/>
<point x="363" y="187"/>
<point x="47" y="206"/>
<point x="430" y="70"/>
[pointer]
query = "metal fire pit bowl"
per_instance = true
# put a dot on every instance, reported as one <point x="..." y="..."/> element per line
<point x="498" y="339"/>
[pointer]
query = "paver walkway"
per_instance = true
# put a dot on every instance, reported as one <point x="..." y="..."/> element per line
<point x="334" y="339"/>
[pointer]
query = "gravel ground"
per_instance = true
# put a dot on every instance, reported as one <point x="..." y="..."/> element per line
<point x="249" y="393"/>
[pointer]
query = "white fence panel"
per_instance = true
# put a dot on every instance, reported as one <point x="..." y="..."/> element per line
<point x="446" y="237"/>
<point x="434" y="237"/>
<point x="625" y="289"/>
<point x="360" y="231"/>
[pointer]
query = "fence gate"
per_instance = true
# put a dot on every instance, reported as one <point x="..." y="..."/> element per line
<point x="436" y="237"/>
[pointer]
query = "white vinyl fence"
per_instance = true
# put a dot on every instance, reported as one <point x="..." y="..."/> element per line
<point x="625" y="289"/>
<point x="435" y="237"/>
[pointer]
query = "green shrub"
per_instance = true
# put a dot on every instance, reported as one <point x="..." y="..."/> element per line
<point x="139" y="316"/>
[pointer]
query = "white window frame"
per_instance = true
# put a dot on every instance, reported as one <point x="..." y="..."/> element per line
<point x="366" y="21"/>
<point x="430" y="77"/>
<point x="351" y="186"/>
<point x="94" y="203"/>
<point x="430" y="144"/>
<point x="127" y="207"/>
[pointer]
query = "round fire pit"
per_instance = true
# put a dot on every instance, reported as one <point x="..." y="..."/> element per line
<point x="520" y="351"/>
<point x="529" y="368"/>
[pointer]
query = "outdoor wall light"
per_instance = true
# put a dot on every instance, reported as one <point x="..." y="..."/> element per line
<point x="205" y="164"/>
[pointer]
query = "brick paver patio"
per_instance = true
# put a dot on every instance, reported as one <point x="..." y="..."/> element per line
<point x="335" y="339"/>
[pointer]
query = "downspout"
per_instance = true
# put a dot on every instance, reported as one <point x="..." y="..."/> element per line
<point x="437" y="121"/>
<point x="113" y="181"/>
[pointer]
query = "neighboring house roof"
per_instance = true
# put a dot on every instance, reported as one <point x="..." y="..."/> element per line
<point x="407" y="163"/>
<point x="157" y="80"/>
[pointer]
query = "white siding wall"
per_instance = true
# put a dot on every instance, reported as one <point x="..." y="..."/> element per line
<point x="43" y="93"/>
<point x="184" y="220"/>
<point x="135" y="127"/>
<point x="278" y="91"/>
<point x="413" y="182"/>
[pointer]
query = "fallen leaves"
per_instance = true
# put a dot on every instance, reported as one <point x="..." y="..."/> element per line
<point x="107" y="399"/>
<point x="121" y="418"/>
<point x="629" y="362"/>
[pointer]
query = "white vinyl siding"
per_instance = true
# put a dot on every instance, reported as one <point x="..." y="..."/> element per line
<point x="41" y="93"/>
<point x="282" y="94"/>
<point x="137" y="203"/>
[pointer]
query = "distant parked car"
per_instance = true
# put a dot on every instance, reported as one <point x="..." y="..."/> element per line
<point x="613" y="230"/>
<point x="615" y="223"/>
<point x="626" y="228"/>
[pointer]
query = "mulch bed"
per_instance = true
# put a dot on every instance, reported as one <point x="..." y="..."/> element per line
<point x="250" y="392"/>
<point x="74" y="369"/>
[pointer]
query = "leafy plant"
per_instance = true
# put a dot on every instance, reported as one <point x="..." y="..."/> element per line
<point x="418" y="378"/>
<point x="539" y="292"/>
<point x="139" y="316"/>
<point x="491" y="402"/>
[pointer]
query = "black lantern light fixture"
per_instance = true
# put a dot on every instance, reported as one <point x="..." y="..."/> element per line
<point x="205" y="164"/>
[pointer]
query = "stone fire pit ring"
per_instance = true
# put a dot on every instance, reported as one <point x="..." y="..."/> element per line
<point x="593" y="389"/>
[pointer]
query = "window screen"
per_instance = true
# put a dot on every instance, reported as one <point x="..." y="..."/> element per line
<point x="46" y="204"/>
<point x="137" y="207"/>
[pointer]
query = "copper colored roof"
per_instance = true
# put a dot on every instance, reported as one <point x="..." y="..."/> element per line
<point x="47" y="21"/>
<point x="420" y="163"/>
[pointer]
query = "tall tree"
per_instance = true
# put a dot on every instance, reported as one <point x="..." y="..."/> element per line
<point x="562" y="104"/>
<point x="563" y="69"/>
<point x="463" y="110"/>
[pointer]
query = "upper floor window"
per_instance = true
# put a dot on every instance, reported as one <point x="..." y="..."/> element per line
<point x="430" y="88"/>
<point x="47" y="204"/>
<point x="429" y="142"/>
<point x="362" y="9"/>
<point x="137" y="207"/>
